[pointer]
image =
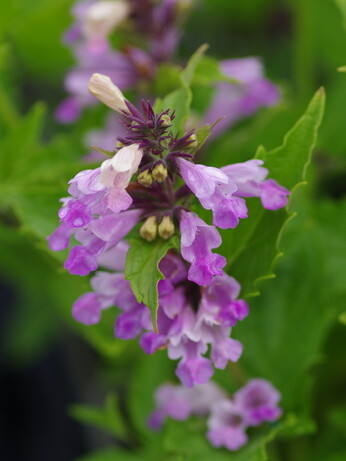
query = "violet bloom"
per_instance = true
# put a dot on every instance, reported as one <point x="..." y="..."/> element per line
<point x="235" y="101"/>
<point x="226" y="426"/>
<point x="216" y="192"/>
<point x="222" y="190"/>
<point x="250" y="180"/>
<point x="97" y="212"/>
<point x="178" y="402"/>
<point x="227" y="416"/>
<point x="197" y="241"/>
<point x="258" y="400"/>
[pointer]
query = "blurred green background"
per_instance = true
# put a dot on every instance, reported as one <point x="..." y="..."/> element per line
<point x="295" y="335"/>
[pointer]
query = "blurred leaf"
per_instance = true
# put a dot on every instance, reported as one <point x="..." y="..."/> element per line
<point x="107" y="418"/>
<point x="37" y="32"/>
<point x="110" y="454"/>
<point x="188" y="439"/>
<point x="167" y="79"/>
<point x="208" y="72"/>
<point x="253" y="245"/>
<point x="342" y="6"/>
<point x="142" y="270"/>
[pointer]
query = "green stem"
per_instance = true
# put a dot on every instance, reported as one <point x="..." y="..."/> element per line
<point x="8" y="112"/>
<point x="303" y="48"/>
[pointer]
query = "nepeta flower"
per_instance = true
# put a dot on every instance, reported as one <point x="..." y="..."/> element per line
<point x="258" y="401"/>
<point x="227" y="417"/>
<point x="187" y="324"/>
<point x="197" y="241"/>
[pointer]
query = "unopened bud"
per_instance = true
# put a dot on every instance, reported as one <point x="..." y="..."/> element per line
<point x="159" y="173"/>
<point x="166" y="228"/>
<point x="119" y="145"/>
<point x="192" y="140"/>
<point x="149" y="229"/>
<point x="145" y="178"/>
<point x="104" y="89"/>
<point x="166" y="120"/>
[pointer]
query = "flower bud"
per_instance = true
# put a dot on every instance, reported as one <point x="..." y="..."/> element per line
<point x="149" y="229"/>
<point x="166" y="120"/>
<point x="166" y="228"/>
<point x="192" y="140"/>
<point x="104" y="89"/>
<point x="119" y="145"/>
<point x="103" y="17"/>
<point x="159" y="173"/>
<point x="145" y="178"/>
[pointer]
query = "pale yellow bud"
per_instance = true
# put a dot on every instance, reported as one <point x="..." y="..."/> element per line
<point x="145" y="178"/>
<point x="159" y="173"/>
<point x="166" y="119"/>
<point x="166" y="228"/>
<point x="104" y="89"/>
<point x="119" y="145"/>
<point x="149" y="229"/>
<point x="193" y="141"/>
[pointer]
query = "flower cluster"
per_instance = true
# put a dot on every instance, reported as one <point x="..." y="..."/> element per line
<point x="227" y="418"/>
<point x="156" y="26"/>
<point x="189" y="318"/>
<point x="147" y="186"/>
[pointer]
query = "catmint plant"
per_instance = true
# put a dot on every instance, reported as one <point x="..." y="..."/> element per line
<point x="146" y="188"/>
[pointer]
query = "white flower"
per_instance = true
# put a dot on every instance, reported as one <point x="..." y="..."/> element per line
<point x="119" y="170"/>
<point x="102" y="18"/>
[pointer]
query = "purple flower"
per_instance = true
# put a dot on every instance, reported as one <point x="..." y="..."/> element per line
<point x="227" y="417"/>
<point x="68" y="110"/>
<point x="226" y="426"/>
<point x="234" y="101"/>
<point x="87" y="309"/>
<point x="219" y="303"/>
<point x="193" y="368"/>
<point x="197" y="241"/>
<point x="258" y="401"/>
<point x="249" y="178"/>
<point x="215" y="192"/>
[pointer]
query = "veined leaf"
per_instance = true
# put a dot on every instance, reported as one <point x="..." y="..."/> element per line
<point x="142" y="269"/>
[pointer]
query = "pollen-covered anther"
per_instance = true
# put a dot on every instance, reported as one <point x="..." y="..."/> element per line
<point x="145" y="178"/>
<point x="149" y="229"/>
<point x="166" y="228"/>
<point x="159" y="173"/>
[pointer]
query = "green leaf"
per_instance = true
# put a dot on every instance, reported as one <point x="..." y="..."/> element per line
<point x="107" y="418"/>
<point x="285" y="333"/>
<point x="142" y="269"/>
<point x="208" y="72"/>
<point x="253" y="247"/>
